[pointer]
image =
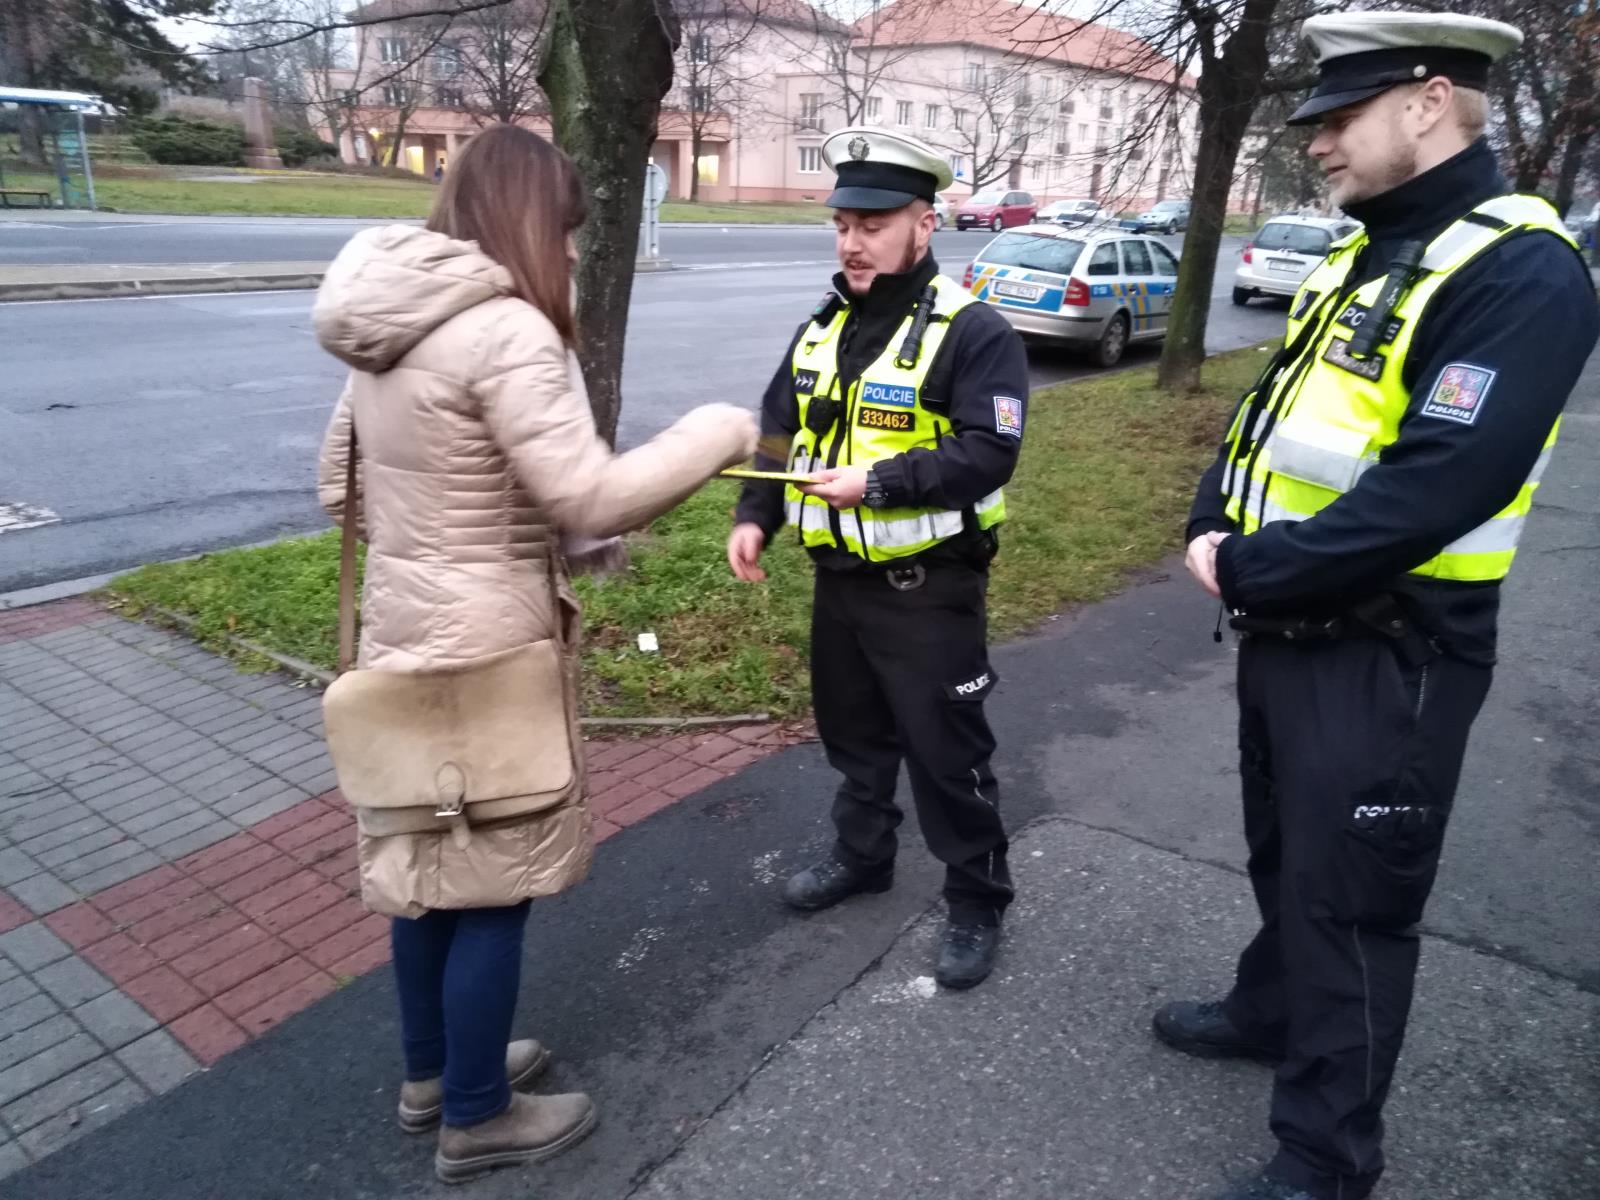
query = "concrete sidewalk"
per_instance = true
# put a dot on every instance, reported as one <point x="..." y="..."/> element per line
<point x="1046" y="1083"/>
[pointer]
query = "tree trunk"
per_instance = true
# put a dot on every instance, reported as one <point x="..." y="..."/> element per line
<point x="696" y="147"/>
<point x="31" y="122"/>
<point x="1567" y="180"/>
<point x="1229" y="91"/>
<point x="608" y="67"/>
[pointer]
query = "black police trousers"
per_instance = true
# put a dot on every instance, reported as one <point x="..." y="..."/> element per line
<point x="902" y="675"/>
<point x="1349" y="754"/>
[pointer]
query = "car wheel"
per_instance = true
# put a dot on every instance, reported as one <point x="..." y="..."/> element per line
<point x="997" y="224"/>
<point x="1113" y="341"/>
<point x="1242" y="296"/>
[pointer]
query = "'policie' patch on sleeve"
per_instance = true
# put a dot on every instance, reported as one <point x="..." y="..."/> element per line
<point x="1008" y="415"/>
<point x="1459" y="394"/>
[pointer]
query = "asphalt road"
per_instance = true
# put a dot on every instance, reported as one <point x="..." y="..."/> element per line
<point x="160" y="427"/>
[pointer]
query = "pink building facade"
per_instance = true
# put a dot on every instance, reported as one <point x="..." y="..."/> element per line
<point x="1013" y="98"/>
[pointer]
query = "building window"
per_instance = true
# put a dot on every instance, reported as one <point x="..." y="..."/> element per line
<point x="709" y="168"/>
<point x="699" y="99"/>
<point x="958" y="166"/>
<point x="1024" y="90"/>
<point x="902" y="113"/>
<point x="700" y="48"/>
<point x="874" y="108"/>
<point x="1083" y="133"/>
<point x="930" y="117"/>
<point x="811" y="160"/>
<point x="1063" y="149"/>
<point x="961" y="115"/>
<point x="976" y="75"/>
<point x="450" y="97"/>
<point x="1068" y="107"/>
<point x="397" y="94"/>
<point x="447" y="60"/>
<point x="1100" y="135"/>
<point x="811" y="110"/>
<point x="392" y="50"/>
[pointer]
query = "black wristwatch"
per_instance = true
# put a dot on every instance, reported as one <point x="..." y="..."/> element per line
<point x="875" y="496"/>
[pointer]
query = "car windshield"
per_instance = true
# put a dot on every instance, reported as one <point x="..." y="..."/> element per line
<point x="1033" y="252"/>
<point x="987" y="198"/>
<point x="1168" y="206"/>
<point x="1300" y="239"/>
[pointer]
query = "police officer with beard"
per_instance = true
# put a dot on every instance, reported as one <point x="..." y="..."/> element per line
<point x="1358" y="522"/>
<point x="903" y="399"/>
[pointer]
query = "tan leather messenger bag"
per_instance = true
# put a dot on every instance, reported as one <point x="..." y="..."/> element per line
<point x="452" y="747"/>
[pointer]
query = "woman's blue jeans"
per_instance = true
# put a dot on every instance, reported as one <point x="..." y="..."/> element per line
<point x="458" y="971"/>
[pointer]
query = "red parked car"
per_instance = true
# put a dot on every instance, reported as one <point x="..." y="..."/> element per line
<point x="996" y="210"/>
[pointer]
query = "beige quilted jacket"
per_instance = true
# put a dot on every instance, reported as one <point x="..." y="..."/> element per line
<point x="477" y="446"/>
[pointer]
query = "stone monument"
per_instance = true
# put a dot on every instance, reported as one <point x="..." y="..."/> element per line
<point x="259" y="147"/>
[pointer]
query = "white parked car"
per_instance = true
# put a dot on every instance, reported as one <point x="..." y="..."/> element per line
<point x="1071" y="212"/>
<point x="1283" y="252"/>
<point x="941" y="209"/>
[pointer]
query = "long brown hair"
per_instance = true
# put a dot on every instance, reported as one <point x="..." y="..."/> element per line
<point x="518" y="197"/>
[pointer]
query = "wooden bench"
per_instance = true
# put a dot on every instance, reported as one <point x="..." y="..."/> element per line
<point x="40" y="199"/>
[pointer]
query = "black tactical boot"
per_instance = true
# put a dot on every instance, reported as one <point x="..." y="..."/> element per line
<point x="830" y="881"/>
<point x="1201" y="1028"/>
<point x="1264" y="1188"/>
<point x="966" y="956"/>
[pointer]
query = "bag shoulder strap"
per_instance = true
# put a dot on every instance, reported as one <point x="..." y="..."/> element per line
<point x="347" y="561"/>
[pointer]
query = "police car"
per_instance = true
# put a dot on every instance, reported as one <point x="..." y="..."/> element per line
<point x="1095" y="287"/>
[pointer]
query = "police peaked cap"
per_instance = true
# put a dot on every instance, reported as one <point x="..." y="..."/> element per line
<point x="880" y="170"/>
<point x="1362" y="54"/>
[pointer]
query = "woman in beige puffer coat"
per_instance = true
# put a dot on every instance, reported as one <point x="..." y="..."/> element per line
<point x="477" y="449"/>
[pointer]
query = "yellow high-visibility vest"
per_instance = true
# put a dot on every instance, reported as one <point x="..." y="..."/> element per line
<point x="880" y="415"/>
<point x="1326" y="416"/>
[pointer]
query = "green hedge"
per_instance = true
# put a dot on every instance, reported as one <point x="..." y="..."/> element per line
<point x="179" y="141"/>
<point x="297" y="146"/>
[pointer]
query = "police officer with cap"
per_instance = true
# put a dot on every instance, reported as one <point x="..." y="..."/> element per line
<point x="1358" y="521"/>
<point x="903" y="399"/>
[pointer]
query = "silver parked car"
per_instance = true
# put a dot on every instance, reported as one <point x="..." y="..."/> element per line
<point x="1097" y="288"/>
<point x="941" y="210"/>
<point x="1283" y="252"/>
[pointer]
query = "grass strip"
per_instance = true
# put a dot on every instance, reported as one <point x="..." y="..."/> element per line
<point x="1108" y="467"/>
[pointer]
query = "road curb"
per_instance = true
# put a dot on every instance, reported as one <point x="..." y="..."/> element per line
<point x="92" y="289"/>
<point x="183" y="285"/>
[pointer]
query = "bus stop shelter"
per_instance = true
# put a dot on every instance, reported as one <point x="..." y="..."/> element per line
<point x="62" y="114"/>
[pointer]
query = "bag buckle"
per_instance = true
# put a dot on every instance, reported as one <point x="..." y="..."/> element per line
<point x="451" y="782"/>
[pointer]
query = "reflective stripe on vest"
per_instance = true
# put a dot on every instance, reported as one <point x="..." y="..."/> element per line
<point x="882" y="415"/>
<point x="1327" y="418"/>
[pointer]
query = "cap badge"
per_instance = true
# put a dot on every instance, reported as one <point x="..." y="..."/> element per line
<point x="1419" y="71"/>
<point x="859" y="148"/>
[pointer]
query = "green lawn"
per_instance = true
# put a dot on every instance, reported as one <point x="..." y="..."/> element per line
<point x="746" y="214"/>
<point x="128" y="187"/>
<point x="1107" y="471"/>
<point x="259" y="193"/>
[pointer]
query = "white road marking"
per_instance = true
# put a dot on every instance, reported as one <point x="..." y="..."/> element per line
<point x="15" y="515"/>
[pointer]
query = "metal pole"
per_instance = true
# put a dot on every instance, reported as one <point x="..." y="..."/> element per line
<point x="88" y="171"/>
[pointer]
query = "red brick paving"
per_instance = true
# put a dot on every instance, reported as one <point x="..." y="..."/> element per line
<point x="12" y="914"/>
<point x="233" y="939"/>
<point x="19" y="623"/>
